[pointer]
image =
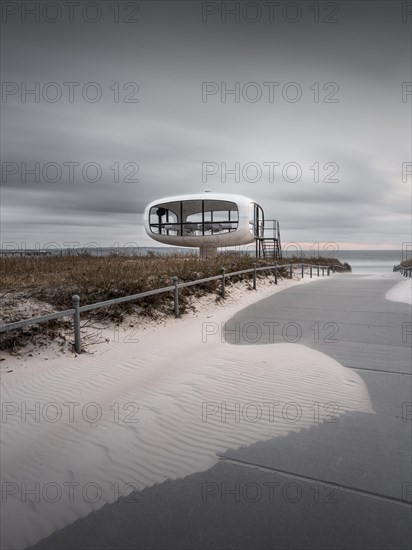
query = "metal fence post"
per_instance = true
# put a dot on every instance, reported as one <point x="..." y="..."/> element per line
<point x="290" y="270"/>
<point x="276" y="273"/>
<point x="254" y="276"/>
<point x="223" y="283"/>
<point x="303" y="269"/>
<point x="318" y="270"/>
<point x="76" y="323"/>
<point x="176" y="296"/>
<point x="323" y="271"/>
<point x="328" y="271"/>
<point x="311" y="271"/>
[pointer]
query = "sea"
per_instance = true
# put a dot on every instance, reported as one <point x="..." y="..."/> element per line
<point x="361" y="261"/>
<point x="371" y="261"/>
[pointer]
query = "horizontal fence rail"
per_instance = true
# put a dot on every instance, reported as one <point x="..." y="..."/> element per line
<point x="130" y="298"/>
<point x="76" y="309"/>
<point x="406" y="271"/>
<point x="36" y="320"/>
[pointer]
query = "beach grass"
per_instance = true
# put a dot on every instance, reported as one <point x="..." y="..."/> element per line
<point x="407" y="263"/>
<point x="53" y="280"/>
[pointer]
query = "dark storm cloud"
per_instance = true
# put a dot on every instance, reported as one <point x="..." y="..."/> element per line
<point x="170" y="132"/>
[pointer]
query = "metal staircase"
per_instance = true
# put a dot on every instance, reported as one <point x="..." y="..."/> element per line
<point x="268" y="244"/>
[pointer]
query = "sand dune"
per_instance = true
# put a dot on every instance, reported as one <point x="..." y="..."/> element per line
<point x="401" y="292"/>
<point x="167" y="404"/>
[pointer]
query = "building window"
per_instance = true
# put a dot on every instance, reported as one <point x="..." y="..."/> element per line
<point x="194" y="218"/>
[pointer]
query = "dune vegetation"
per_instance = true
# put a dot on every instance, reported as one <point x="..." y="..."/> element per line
<point x="51" y="281"/>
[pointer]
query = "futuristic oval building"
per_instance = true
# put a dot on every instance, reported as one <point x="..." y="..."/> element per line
<point x="210" y="220"/>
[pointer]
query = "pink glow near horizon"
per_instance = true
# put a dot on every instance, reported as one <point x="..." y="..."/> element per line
<point x="347" y="246"/>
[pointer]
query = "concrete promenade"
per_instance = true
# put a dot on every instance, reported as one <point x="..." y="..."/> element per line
<point x="338" y="485"/>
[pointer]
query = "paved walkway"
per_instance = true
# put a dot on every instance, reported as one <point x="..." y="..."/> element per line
<point x="345" y="485"/>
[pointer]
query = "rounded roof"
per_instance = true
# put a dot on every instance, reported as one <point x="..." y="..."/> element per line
<point x="206" y="195"/>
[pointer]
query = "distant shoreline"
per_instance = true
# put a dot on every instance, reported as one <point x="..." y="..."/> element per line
<point x="161" y="250"/>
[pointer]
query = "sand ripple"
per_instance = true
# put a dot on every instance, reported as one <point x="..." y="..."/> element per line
<point x="169" y="421"/>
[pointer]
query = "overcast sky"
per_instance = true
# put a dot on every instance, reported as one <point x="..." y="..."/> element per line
<point x="331" y="110"/>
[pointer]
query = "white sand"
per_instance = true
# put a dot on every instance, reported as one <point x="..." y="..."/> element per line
<point x="177" y="384"/>
<point x="401" y="292"/>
